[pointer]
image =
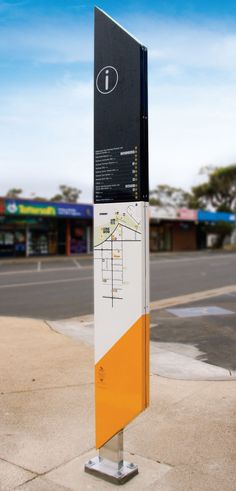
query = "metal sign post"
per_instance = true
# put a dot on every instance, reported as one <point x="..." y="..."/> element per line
<point x="121" y="248"/>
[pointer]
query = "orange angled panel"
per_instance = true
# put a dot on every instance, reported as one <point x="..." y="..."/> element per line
<point x="121" y="381"/>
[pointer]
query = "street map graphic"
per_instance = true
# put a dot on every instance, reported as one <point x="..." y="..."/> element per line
<point x="117" y="236"/>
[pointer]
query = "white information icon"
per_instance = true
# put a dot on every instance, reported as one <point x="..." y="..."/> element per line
<point x="107" y="79"/>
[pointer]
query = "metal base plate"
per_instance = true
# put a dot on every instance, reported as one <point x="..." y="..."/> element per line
<point x="109" y="471"/>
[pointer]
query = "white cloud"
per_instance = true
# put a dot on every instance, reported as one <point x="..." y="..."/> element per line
<point x="46" y="139"/>
<point x="46" y="134"/>
<point x="187" y="44"/>
<point x="190" y="127"/>
<point x="48" y="42"/>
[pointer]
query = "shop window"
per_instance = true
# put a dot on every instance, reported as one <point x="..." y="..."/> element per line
<point x="78" y="242"/>
<point x="7" y="243"/>
<point x="20" y="245"/>
<point x="37" y="243"/>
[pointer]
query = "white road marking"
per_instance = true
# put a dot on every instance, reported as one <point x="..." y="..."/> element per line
<point x="39" y="266"/>
<point x="49" y="282"/>
<point x="78" y="265"/>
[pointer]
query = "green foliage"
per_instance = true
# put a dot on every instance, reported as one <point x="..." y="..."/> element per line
<point x="165" y="196"/>
<point x="222" y="230"/>
<point x="67" y="194"/>
<point x="34" y="197"/>
<point x="14" y="193"/>
<point x="219" y="191"/>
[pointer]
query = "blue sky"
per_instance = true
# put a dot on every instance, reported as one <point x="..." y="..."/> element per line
<point x="46" y="66"/>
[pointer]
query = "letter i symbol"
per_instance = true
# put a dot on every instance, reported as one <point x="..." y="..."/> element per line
<point x="107" y="80"/>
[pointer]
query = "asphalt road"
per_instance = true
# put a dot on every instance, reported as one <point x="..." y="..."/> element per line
<point x="211" y="335"/>
<point x="63" y="288"/>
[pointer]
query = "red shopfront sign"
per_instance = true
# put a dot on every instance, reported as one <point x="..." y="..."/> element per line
<point x="186" y="214"/>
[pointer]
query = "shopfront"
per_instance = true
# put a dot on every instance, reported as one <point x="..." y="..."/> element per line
<point x="42" y="237"/>
<point x="173" y="229"/>
<point x="184" y="236"/>
<point x="32" y="228"/>
<point x="41" y="228"/>
<point x="160" y="236"/>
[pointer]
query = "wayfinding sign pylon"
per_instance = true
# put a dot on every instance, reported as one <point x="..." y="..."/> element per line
<point x="121" y="242"/>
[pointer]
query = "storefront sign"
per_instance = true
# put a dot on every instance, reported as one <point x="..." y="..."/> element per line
<point x="211" y="216"/>
<point x="162" y="213"/>
<point x="186" y="214"/>
<point x="170" y="213"/>
<point x="47" y="209"/>
<point x="27" y="208"/>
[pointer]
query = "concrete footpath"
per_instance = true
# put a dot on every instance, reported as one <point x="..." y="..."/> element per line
<point x="185" y="441"/>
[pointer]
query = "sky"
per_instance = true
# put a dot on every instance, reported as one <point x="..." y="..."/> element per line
<point x="46" y="89"/>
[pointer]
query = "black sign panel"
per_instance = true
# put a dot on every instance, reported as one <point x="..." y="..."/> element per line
<point x="120" y="115"/>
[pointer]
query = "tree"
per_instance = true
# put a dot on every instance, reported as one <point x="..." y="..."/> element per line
<point x="219" y="192"/>
<point x="168" y="196"/>
<point x="67" y="194"/>
<point x="14" y="193"/>
<point x="34" y="197"/>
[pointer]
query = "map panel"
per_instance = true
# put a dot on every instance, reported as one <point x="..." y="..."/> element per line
<point x="119" y="250"/>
